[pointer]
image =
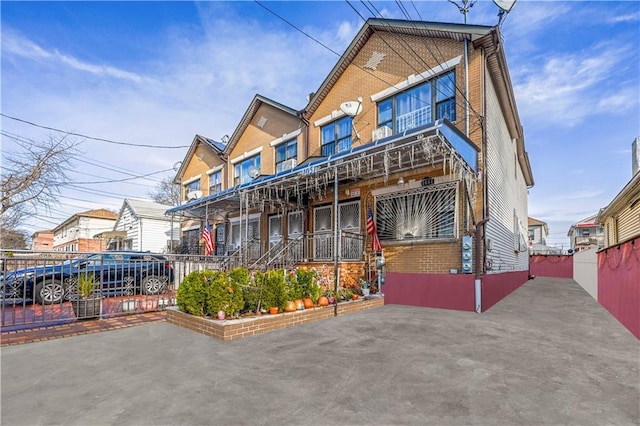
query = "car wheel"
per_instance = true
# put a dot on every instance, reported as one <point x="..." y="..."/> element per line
<point x="49" y="292"/>
<point x="152" y="284"/>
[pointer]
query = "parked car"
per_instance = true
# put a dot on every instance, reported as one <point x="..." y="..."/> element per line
<point x="123" y="273"/>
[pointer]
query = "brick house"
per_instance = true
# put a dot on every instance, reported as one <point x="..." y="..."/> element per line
<point x="42" y="240"/>
<point x="415" y="126"/>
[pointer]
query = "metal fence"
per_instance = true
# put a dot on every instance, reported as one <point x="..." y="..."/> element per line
<point x="45" y="288"/>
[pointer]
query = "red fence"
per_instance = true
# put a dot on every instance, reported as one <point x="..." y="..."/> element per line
<point x="619" y="283"/>
<point x="559" y="266"/>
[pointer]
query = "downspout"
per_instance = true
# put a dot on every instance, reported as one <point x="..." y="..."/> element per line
<point x="336" y="240"/>
<point x="479" y="265"/>
<point x="466" y="82"/>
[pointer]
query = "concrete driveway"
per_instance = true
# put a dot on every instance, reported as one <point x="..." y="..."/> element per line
<point x="547" y="354"/>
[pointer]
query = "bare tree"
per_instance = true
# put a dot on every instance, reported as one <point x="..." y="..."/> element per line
<point x="32" y="176"/>
<point x="166" y="192"/>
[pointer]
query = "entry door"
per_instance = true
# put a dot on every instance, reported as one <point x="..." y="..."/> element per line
<point x="322" y="233"/>
<point x="295" y="233"/>
<point x="220" y="239"/>
<point x="350" y="240"/>
<point x="275" y="230"/>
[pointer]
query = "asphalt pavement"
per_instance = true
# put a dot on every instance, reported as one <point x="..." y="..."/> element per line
<point x="546" y="354"/>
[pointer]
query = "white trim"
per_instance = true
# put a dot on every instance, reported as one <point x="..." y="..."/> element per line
<point x="214" y="169"/>
<point x="335" y="114"/>
<point x="191" y="180"/>
<point x="414" y="79"/>
<point x="285" y="137"/>
<point x="246" y="155"/>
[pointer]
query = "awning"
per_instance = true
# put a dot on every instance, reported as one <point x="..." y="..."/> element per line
<point x="419" y="147"/>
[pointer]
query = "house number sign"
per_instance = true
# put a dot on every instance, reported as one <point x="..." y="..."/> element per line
<point x="427" y="181"/>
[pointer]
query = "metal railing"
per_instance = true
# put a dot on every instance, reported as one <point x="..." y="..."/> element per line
<point x="39" y="288"/>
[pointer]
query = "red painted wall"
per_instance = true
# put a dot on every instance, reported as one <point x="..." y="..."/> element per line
<point x="559" y="266"/>
<point x="495" y="287"/>
<point x="447" y="291"/>
<point x="619" y="283"/>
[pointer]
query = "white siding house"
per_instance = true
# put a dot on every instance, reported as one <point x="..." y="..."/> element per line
<point x="506" y="231"/>
<point x="146" y="227"/>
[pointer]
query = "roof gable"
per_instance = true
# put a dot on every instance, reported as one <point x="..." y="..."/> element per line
<point x="213" y="146"/>
<point x="254" y="106"/>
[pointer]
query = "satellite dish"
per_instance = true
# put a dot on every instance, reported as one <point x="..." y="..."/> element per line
<point x="176" y="165"/>
<point x="351" y="108"/>
<point x="254" y="172"/>
<point x="194" y="195"/>
<point x="505" y="5"/>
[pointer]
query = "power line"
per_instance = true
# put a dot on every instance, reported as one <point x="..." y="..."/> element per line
<point x="121" y="180"/>
<point x="91" y="137"/>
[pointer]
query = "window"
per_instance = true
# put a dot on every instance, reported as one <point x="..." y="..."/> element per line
<point x="413" y="107"/>
<point x="336" y="136"/>
<point x="585" y="232"/>
<point x="419" y="214"/>
<point x="193" y="186"/>
<point x="286" y="151"/>
<point x="532" y="235"/>
<point x="241" y="170"/>
<point x="215" y="182"/>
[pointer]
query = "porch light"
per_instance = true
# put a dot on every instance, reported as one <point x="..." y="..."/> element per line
<point x="401" y="181"/>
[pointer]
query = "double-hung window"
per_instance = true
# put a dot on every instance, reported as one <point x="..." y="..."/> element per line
<point x="336" y="136"/>
<point x="243" y="171"/>
<point x="286" y="151"/>
<point x="215" y="182"/>
<point x="419" y="105"/>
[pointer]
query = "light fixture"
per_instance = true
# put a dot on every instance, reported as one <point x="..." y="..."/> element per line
<point x="401" y="181"/>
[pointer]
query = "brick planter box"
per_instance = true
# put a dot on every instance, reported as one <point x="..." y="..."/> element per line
<point x="244" y="327"/>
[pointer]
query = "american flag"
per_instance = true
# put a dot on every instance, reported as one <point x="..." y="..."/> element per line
<point x="207" y="236"/>
<point x="371" y="230"/>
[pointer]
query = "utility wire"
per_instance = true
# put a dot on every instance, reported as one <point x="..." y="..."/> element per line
<point x="121" y="180"/>
<point x="91" y="137"/>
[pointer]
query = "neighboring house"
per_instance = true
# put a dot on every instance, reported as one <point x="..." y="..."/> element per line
<point x="78" y="232"/>
<point x="621" y="218"/>
<point x="142" y="226"/>
<point x="42" y="240"/>
<point x="201" y="173"/>
<point x="585" y="234"/>
<point x="538" y="232"/>
<point x="392" y="130"/>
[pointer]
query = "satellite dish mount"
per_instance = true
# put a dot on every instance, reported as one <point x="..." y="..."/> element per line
<point x="352" y="108"/>
<point x="505" y="7"/>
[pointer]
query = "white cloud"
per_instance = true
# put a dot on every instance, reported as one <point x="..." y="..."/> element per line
<point x="630" y="17"/>
<point x="15" y="44"/>
<point x="571" y="87"/>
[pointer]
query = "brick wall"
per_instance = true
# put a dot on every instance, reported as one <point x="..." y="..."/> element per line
<point x="237" y="329"/>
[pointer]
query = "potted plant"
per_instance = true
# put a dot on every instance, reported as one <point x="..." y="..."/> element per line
<point x="86" y="304"/>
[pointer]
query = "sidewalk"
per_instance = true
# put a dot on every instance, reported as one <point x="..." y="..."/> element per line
<point x="77" y="328"/>
<point x="546" y="354"/>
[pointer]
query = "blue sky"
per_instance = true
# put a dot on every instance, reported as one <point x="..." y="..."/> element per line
<point x="157" y="73"/>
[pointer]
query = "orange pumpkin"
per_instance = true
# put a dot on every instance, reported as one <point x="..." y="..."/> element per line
<point x="307" y="302"/>
<point x="290" y="306"/>
<point x="323" y="301"/>
<point x="273" y="310"/>
<point x="354" y="296"/>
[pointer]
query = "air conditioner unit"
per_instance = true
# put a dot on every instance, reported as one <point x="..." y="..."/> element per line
<point x="381" y="133"/>
<point x="289" y="164"/>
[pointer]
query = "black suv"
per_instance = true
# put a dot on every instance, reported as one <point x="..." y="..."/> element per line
<point x="119" y="273"/>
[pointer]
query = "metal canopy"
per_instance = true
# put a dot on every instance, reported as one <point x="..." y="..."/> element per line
<point x="437" y="143"/>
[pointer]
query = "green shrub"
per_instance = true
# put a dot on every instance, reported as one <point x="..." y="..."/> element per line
<point x="224" y="294"/>
<point x="253" y="292"/>
<point x="192" y="293"/>
<point x="294" y="289"/>
<point x="274" y="290"/>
